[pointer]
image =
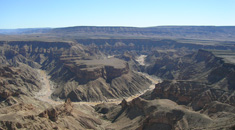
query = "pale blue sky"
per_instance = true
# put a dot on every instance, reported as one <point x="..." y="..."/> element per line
<point x="139" y="13"/>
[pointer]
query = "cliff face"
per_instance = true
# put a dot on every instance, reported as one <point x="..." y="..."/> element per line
<point x="191" y="93"/>
<point x="145" y="45"/>
<point x="202" y="66"/>
<point x="34" y="54"/>
<point x="86" y="72"/>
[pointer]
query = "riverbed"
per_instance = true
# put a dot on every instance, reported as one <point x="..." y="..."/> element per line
<point x="47" y="88"/>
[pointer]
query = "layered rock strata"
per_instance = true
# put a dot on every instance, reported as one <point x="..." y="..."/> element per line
<point x="160" y="114"/>
<point x="191" y="93"/>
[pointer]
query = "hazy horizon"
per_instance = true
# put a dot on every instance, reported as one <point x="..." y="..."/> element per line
<point x="132" y="13"/>
<point x="122" y="26"/>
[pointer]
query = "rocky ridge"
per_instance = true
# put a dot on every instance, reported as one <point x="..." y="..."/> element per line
<point x="65" y="116"/>
<point x="191" y="93"/>
<point x="157" y="114"/>
<point x="202" y="66"/>
<point x="76" y="69"/>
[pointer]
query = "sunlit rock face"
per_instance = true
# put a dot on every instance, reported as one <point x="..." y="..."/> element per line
<point x="87" y="70"/>
<point x="214" y="68"/>
<point x="192" y="93"/>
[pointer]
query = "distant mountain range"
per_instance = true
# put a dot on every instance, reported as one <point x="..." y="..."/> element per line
<point x="185" y="32"/>
<point x="24" y="31"/>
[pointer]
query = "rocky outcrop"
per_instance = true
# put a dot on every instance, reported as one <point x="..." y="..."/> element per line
<point x="112" y="72"/>
<point x="53" y="113"/>
<point x="64" y="116"/>
<point x="155" y="114"/>
<point x="86" y="72"/>
<point x="181" y="92"/>
<point x="99" y="90"/>
<point x="124" y="104"/>
<point x="202" y="66"/>
<point x="162" y="120"/>
<point x="214" y="108"/>
<point x="192" y="93"/>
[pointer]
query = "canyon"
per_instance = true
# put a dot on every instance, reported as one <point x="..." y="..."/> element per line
<point x="117" y="83"/>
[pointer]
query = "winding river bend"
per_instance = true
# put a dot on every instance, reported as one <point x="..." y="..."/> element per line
<point x="47" y="88"/>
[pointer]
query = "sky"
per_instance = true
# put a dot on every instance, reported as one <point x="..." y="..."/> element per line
<point x="135" y="13"/>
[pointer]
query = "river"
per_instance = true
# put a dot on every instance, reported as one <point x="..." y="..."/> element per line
<point x="47" y="88"/>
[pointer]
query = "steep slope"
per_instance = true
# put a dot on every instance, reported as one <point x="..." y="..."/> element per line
<point x="202" y="66"/>
<point x="18" y="81"/>
<point x="82" y="73"/>
<point x="191" y="93"/>
<point x="164" y="114"/>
